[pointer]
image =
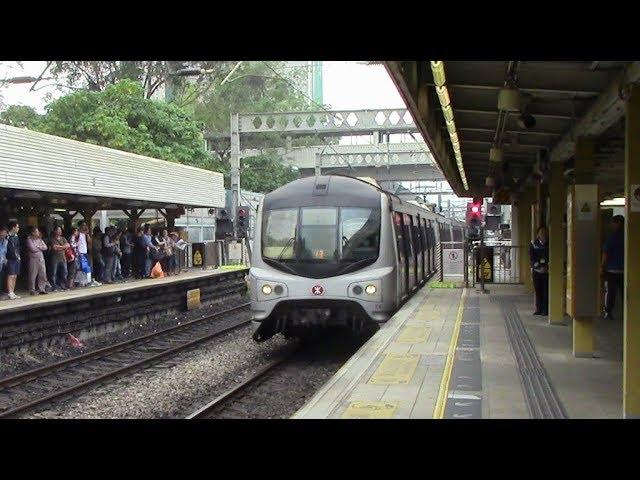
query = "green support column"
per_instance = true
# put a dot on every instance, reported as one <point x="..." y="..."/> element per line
<point x="557" y="242"/>
<point x="631" y="358"/>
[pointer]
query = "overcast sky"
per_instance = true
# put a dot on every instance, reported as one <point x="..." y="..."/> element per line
<point x="347" y="85"/>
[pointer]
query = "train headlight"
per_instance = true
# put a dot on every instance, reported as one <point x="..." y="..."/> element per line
<point x="357" y="290"/>
<point x="370" y="289"/>
<point x="278" y="290"/>
<point x="266" y="289"/>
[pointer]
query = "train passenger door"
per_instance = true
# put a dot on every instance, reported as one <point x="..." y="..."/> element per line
<point x="402" y="260"/>
<point x="410" y="254"/>
<point x="417" y="247"/>
<point x="425" y="248"/>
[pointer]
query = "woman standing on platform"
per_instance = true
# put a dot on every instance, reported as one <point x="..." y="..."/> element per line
<point x="73" y="258"/>
<point x="539" y="256"/>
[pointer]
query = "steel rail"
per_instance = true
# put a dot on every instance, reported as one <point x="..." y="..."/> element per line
<point x="25" y="377"/>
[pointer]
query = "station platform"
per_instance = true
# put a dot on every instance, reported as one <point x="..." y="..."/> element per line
<point x="92" y="311"/>
<point x="27" y="301"/>
<point x="456" y="353"/>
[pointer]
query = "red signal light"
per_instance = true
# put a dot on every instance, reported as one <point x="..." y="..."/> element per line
<point x="475" y="209"/>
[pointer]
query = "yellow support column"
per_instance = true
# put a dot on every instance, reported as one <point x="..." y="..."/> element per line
<point x="557" y="242"/>
<point x="631" y="356"/>
<point x="584" y="242"/>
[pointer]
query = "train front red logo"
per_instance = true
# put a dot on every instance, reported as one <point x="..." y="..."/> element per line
<point x="317" y="290"/>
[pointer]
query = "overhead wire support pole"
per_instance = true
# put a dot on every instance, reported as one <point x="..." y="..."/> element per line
<point x="235" y="171"/>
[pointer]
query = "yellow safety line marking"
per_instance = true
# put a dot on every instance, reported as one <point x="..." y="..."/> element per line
<point x="438" y="411"/>
<point x="370" y="410"/>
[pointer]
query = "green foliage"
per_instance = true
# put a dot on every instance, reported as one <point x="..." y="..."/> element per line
<point x="254" y="87"/>
<point x="111" y="106"/>
<point x="20" y="116"/>
<point x="121" y="117"/>
<point x="265" y="173"/>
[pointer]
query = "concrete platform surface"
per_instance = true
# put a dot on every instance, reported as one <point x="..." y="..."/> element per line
<point x="398" y="372"/>
<point x="454" y="354"/>
<point x="29" y="301"/>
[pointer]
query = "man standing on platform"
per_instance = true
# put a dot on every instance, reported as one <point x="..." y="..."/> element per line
<point x="126" y="245"/>
<point x="58" y="261"/>
<point x="84" y="239"/>
<point x="37" y="269"/>
<point x="539" y="256"/>
<point x="3" y="252"/>
<point x="612" y="266"/>
<point x="13" y="259"/>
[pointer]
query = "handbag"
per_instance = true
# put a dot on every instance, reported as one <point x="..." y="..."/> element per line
<point x="69" y="255"/>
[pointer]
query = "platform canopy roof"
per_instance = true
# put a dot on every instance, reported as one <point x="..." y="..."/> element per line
<point x="566" y="99"/>
<point x="70" y="174"/>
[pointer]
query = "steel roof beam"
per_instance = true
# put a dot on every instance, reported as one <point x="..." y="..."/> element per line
<point x="495" y="112"/>
<point x="551" y="91"/>
<point x="606" y="110"/>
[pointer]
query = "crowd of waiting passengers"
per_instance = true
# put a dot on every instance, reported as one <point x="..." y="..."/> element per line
<point x="62" y="262"/>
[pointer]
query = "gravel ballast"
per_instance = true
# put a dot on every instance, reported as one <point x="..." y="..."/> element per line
<point x="168" y="389"/>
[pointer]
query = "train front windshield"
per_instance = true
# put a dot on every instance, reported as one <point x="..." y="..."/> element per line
<point x="321" y="241"/>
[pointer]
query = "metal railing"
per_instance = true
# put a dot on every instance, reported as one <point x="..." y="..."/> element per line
<point x="496" y="264"/>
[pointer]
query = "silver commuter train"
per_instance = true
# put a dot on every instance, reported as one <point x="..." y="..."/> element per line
<point x="336" y="250"/>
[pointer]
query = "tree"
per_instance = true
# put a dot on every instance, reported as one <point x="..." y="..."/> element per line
<point x="255" y="87"/>
<point x="121" y="117"/>
<point x="265" y="173"/>
<point x="20" y="116"/>
<point x="152" y="75"/>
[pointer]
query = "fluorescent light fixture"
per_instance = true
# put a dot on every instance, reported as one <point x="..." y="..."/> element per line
<point x="451" y="127"/>
<point x="448" y="113"/>
<point x="614" y="202"/>
<point x="443" y="95"/>
<point x="437" y="67"/>
<point x="439" y="78"/>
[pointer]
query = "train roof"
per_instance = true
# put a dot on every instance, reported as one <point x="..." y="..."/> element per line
<point x="324" y="190"/>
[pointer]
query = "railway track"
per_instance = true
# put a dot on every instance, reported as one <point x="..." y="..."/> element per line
<point x="223" y="406"/>
<point x="278" y="388"/>
<point x="43" y="385"/>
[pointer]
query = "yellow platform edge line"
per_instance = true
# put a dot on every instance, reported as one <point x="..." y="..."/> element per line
<point x="438" y="411"/>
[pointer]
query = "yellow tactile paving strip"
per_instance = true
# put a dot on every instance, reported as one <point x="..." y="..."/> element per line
<point x="395" y="369"/>
<point x="370" y="410"/>
<point x="398" y="373"/>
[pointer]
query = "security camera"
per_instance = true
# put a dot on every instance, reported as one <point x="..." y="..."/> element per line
<point x="526" y="121"/>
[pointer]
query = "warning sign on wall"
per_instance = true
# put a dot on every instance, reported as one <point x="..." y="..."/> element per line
<point x="586" y="212"/>
<point x="453" y="262"/>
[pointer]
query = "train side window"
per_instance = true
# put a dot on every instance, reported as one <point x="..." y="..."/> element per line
<point x="457" y="234"/>
<point x="397" y="223"/>
<point x="445" y="233"/>
<point x="408" y="236"/>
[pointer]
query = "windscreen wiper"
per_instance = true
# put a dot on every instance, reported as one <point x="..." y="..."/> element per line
<point x="346" y="268"/>
<point x="289" y="242"/>
<point x="281" y="264"/>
